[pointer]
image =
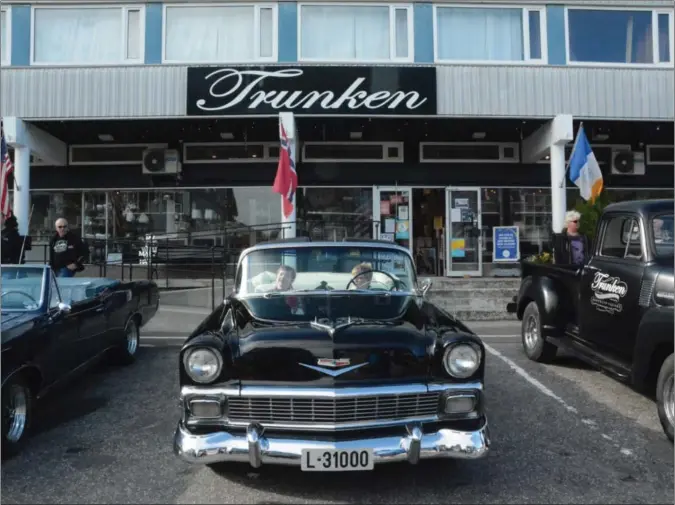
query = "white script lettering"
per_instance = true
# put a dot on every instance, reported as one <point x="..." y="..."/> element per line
<point x="604" y="283"/>
<point x="228" y="90"/>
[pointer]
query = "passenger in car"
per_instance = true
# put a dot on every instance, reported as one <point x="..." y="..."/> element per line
<point x="285" y="278"/>
<point x="362" y="275"/>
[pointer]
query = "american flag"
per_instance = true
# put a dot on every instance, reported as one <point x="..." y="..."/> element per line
<point x="7" y="169"/>
<point x="286" y="181"/>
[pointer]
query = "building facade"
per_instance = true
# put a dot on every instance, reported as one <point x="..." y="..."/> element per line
<point x="426" y="123"/>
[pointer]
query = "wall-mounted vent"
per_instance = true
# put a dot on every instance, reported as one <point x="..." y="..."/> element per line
<point x="34" y="160"/>
<point x="603" y="153"/>
<point x="661" y="155"/>
<point x="468" y="152"/>
<point x="356" y="152"/>
<point x="230" y="152"/>
<point x="115" y="154"/>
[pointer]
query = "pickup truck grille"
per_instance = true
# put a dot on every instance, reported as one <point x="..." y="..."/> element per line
<point x="332" y="410"/>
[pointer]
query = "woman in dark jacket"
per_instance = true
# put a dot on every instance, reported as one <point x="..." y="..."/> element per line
<point x="570" y="247"/>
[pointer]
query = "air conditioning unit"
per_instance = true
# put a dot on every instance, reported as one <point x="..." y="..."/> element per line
<point x="628" y="163"/>
<point x="158" y="161"/>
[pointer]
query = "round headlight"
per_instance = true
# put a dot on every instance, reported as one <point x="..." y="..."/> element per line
<point x="461" y="360"/>
<point x="203" y="365"/>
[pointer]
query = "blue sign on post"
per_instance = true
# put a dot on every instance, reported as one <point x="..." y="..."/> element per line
<point x="505" y="244"/>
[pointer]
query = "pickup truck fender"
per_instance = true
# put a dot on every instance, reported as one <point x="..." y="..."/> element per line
<point x="654" y="343"/>
<point x="541" y="290"/>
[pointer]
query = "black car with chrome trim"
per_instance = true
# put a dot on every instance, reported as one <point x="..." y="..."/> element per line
<point x="328" y="356"/>
<point x="55" y="328"/>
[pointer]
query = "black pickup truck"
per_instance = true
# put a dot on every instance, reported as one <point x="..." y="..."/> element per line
<point x="616" y="311"/>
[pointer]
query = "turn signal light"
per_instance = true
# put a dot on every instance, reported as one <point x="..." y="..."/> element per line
<point x="206" y="409"/>
<point x="459" y="404"/>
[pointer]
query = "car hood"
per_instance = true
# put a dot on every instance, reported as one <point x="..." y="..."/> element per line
<point x="342" y="347"/>
<point x="15" y="324"/>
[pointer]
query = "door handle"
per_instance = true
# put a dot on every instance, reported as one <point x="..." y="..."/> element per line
<point x="591" y="268"/>
<point x="100" y="309"/>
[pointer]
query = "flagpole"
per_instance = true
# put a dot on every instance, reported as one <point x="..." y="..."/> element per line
<point x="567" y="163"/>
<point x="23" y="244"/>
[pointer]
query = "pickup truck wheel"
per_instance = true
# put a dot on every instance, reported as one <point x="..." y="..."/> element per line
<point x="17" y="413"/>
<point x="665" y="397"/>
<point x="536" y="348"/>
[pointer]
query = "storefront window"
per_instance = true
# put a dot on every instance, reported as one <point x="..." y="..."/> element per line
<point x="336" y="213"/>
<point x="50" y="206"/>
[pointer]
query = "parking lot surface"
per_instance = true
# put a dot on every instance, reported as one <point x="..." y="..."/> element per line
<point x="561" y="433"/>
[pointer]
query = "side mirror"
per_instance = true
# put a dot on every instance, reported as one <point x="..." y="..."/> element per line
<point x="64" y="308"/>
<point x="425" y="287"/>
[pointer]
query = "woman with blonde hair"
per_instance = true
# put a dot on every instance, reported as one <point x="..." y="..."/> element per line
<point x="362" y="275"/>
<point x="570" y="247"/>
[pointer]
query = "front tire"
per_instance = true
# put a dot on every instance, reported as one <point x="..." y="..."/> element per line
<point x="17" y="415"/>
<point x="535" y="346"/>
<point x="665" y="397"/>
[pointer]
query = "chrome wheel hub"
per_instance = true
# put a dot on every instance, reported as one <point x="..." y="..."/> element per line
<point x="531" y="333"/>
<point x="15" y="413"/>
<point x="132" y="337"/>
<point x="669" y="399"/>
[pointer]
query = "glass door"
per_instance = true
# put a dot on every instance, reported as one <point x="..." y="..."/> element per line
<point x="392" y="215"/>
<point x="464" y="241"/>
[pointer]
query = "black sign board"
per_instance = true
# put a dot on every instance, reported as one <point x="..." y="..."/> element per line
<point x="362" y="91"/>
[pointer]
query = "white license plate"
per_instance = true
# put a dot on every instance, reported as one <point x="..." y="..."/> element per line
<point x="332" y="460"/>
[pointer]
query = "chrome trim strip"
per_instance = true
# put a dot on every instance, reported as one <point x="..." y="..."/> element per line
<point x="308" y="392"/>
<point x="339" y="426"/>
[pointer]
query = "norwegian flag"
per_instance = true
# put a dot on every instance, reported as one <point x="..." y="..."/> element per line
<point x="7" y="170"/>
<point x="286" y="181"/>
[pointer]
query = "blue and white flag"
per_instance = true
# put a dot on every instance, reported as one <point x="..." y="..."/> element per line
<point x="584" y="169"/>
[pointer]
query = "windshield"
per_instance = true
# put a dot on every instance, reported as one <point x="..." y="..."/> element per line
<point x="662" y="227"/>
<point x="325" y="268"/>
<point x="22" y="288"/>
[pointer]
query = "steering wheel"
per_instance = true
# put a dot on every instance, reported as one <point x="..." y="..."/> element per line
<point x="19" y="293"/>
<point x="372" y="271"/>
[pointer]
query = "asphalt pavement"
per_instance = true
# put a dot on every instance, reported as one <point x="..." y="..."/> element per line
<point x="561" y="433"/>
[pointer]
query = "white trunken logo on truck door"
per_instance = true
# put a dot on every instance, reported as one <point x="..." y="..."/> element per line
<point x="607" y="293"/>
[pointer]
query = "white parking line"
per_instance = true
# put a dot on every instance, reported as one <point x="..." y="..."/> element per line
<point x="534" y="382"/>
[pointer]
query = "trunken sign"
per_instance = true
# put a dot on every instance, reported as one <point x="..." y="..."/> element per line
<point x="369" y="91"/>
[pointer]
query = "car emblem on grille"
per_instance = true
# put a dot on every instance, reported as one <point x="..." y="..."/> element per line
<point x="333" y="363"/>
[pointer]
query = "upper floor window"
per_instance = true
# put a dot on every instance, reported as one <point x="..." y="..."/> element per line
<point x="638" y="37"/>
<point x="91" y="35"/>
<point x="358" y="33"/>
<point x="490" y="34"/>
<point x="5" y="36"/>
<point x="220" y="33"/>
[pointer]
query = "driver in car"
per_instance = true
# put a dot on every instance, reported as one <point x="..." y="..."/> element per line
<point x="285" y="278"/>
<point x="362" y="276"/>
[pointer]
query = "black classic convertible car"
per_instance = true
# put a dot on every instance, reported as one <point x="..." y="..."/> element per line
<point x="53" y="328"/>
<point x="327" y="356"/>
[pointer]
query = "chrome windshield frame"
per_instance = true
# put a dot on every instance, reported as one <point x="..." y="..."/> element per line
<point x="384" y="246"/>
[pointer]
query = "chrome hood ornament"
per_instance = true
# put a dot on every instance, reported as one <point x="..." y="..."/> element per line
<point x="333" y="363"/>
<point x="331" y="328"/>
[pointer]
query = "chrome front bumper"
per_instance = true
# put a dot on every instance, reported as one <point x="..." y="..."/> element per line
<point x="256" y="449"/>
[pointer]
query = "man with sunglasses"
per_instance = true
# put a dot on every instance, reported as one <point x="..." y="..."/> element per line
<point x="570" y="247"/>
<point x="66" y="251"/>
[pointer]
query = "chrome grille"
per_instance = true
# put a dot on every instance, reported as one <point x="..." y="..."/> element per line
<point x="332" y="410"/>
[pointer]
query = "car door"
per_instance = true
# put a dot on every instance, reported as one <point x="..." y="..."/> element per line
<point x="610" y="286"/>
<point x="90" y="313"/>
<point x="61" y="354"/>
